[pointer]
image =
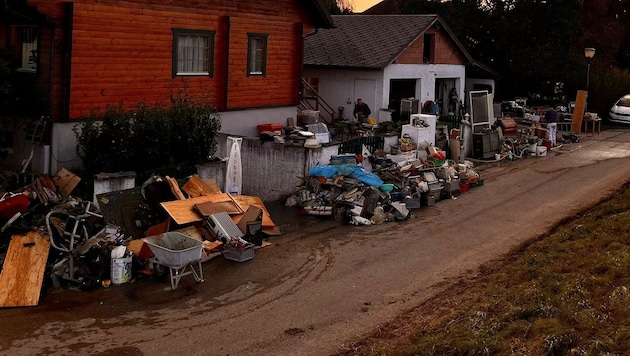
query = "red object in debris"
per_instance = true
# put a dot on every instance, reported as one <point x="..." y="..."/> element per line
<point x="12" y="205"/>
<point x="464" y="188"/>
<point x="275" y="129"/>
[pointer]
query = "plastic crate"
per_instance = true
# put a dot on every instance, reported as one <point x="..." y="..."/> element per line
<point x="343" y="159"/>
<point x="238" y="254"/>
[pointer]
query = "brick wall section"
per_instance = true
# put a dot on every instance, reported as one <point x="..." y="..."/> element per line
<point x="445" y="50"/>
<point x="122" y="51"/>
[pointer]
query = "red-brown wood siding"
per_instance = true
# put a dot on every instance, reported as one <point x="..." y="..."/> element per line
<point x="122" y="52"/>
<point x="277" y="86"/>
<point x="445" y="50"/>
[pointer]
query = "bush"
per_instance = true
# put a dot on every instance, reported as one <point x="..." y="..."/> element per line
<point x="149" y="138"/>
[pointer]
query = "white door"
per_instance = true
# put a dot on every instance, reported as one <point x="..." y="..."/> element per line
<point x="365" y="89"/>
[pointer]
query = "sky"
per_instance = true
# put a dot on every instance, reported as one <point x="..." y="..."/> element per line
<point x="362" y="5"/>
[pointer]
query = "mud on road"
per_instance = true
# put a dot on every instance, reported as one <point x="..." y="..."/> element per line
<point x="324" y="285"/>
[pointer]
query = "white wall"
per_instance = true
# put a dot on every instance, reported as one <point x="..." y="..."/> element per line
<point x="245" y="122"/>
<point x="427" y="73"/>
<point x="337" y="87"/>
<point x="240" y="123"/>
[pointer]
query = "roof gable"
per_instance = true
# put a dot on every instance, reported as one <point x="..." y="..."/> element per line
<point x="368" y="41"/>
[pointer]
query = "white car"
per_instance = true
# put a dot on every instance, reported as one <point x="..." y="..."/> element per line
<point x="620" y="112"/>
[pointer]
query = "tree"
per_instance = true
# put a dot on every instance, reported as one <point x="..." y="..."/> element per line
<point x="339" y="7"/>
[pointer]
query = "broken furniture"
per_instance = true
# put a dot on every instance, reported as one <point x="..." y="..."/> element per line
<point x="508" y="127"/>
<point x="73" y="223"/>
<point x="594" y="121"/>
<point x="179" y="253"/>
<point x="485" y="145"/>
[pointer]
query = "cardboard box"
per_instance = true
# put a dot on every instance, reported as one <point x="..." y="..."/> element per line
<point x="323" y="137"/>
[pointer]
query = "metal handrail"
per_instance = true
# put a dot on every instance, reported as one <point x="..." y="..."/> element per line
<point x="319" y="102"/>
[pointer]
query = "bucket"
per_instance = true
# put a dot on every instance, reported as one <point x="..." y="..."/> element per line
<point x="541" y="151"/>
<point x="121" y="270"/>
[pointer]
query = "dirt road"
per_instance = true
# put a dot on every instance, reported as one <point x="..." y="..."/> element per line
<point x="318" y="288"/>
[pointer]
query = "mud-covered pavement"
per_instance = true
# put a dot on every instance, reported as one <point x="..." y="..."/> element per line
<point x="323" y="285"/>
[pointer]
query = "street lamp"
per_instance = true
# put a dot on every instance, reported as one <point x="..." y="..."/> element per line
<point x="589" y="52"/>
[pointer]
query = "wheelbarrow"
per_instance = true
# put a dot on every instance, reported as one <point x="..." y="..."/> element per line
<point x="180" y="253"/>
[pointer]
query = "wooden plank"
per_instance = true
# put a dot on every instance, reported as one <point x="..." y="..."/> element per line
<point x="65" y="181"/>
<point x="23" y="271"/>
<point x="172" y="182"/>
<point x="209" y="208"/>
<point x="578" y="111"/>
<point x="183" y="211"/>
<point x="214" y="186"/>
<point x="196" y="187"/>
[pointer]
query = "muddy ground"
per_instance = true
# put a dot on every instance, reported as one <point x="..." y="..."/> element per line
<point x="322" y="286"/>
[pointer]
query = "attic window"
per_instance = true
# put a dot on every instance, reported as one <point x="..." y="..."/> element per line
<point x="25" y="47"/>
<point x="193" y="51"/>
<point x="256" y="54"/>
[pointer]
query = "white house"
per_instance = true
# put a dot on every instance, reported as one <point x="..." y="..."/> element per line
<point x="385" y="58"/>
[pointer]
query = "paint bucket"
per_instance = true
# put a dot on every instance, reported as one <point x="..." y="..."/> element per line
<point x="541" y="151"/>
<point x="121" y="270"/>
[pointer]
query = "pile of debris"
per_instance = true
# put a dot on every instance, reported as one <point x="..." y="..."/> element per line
<point x="144" y="231"/>
<point x="375" y="188"/>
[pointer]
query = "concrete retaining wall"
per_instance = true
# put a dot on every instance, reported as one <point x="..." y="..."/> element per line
<point x="272" y="171"/>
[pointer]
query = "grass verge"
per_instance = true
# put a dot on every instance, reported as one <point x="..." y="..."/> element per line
<point x="567" y="293"/>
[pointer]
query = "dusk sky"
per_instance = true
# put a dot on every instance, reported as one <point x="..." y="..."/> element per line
<point x="362" y="5"/>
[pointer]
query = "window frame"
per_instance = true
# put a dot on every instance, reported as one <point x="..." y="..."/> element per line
<point x="18" y="46"/>
<point x="251" y="38"/>
<point x="177" y="32"/>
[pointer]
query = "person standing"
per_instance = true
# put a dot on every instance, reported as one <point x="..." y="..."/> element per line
<point x="453" y="100"/>
<point x="551" y="117"/>
<point x="361" y="111"/>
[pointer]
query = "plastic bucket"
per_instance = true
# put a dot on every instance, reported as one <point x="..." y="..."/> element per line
<point x="121" y="270"/>
<point x="541" y="151"/>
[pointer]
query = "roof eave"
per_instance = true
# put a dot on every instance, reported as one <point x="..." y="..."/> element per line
<point x="336" y="66"/>
<point x="320" y="15"/>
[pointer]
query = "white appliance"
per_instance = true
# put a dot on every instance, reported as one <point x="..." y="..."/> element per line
<point x="224" y="228"/>
<point x="419" y="132"/>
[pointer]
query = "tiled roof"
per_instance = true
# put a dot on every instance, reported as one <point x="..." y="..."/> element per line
<point x="364" y="41"/>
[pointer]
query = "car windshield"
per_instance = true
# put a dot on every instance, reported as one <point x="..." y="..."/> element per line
<point x="625" y="101"/>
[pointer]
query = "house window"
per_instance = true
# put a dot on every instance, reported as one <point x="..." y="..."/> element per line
<point x="25" y="49"/>
<point x="257" y="54"/>
<point x="428" y="49"/>
<point x="193" y="52"/>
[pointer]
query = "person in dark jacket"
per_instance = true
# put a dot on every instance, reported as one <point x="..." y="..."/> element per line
<point x="551" y="117"/>
<point x="361" y="111"/>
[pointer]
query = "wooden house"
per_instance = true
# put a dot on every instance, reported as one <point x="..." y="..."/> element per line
<point x="388" y="59"/>
<point x="75" y="57"/>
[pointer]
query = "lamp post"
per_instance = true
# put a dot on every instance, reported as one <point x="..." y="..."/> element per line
<point x="589" y="52"/>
